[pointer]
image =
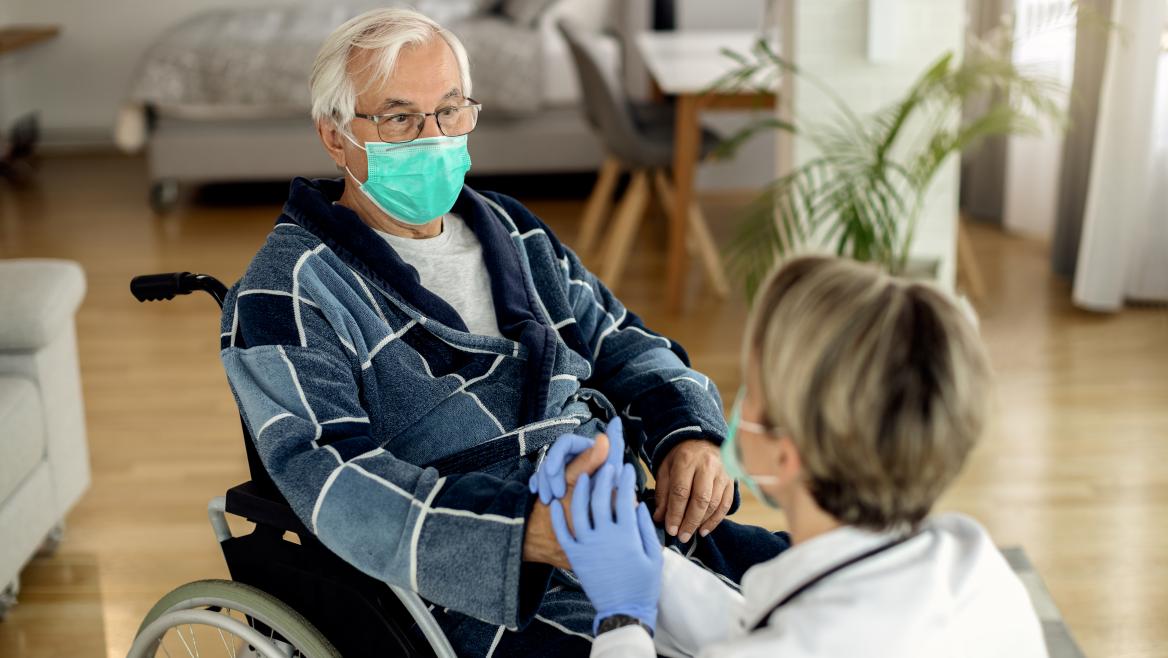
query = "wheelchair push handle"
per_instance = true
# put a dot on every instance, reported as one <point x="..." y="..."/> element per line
<point x="158" y="287"/>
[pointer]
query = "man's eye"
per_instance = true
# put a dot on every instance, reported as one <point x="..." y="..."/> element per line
<point x="448" y="111"/>
<point x="400" y="119"/>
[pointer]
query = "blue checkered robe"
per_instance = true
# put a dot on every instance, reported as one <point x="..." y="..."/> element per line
<point x="403" y="441"/>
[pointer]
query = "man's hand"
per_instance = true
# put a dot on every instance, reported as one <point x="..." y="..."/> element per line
<point x="539" y="542"/>
<point x="693" y="490"/>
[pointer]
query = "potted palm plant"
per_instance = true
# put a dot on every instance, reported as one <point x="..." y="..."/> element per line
<point x="860" y="193"/>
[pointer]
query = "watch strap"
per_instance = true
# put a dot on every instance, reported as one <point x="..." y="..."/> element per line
<point x="613" y="622"/>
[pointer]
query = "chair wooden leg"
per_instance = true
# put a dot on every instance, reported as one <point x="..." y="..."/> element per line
<point x="699" y="235"/>
<point x="598" y="206"/>
<point x="624" y="230"/>
<point x="665" y="193"/>
<point x="967" y="267"/>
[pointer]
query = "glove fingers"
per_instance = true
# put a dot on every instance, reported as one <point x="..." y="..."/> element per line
<point x="648" y="533"/>
<point x="549" y="479"/>
<point x="626" y="496"/>
<point x="602" y="497"/>
<point x="562" y="451"/>
<point x="616" y="439"/>
<point x="560" y="526"/>
<point x="580" y="505"/>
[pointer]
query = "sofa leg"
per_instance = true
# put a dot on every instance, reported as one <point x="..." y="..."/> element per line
<point x="8" y="597"/>
<point x="52" y="540"/>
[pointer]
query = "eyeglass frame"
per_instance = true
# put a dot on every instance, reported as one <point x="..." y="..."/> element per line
<point x="376" y="119"/>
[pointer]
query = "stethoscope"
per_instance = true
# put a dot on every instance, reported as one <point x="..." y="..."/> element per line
<point x="765" y="620"/>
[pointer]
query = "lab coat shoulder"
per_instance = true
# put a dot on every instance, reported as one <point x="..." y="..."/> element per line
<point x="946" y="592"/>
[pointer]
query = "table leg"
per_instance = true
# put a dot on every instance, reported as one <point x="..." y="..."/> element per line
<point x="687" y="134"/>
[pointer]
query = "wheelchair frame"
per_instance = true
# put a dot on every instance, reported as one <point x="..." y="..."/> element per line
<point x="359" y="614"/>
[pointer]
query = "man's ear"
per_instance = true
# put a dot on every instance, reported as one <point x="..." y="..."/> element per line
<point x="333" y="140"/>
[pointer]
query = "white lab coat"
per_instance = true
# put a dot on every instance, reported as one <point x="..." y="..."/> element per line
<point x="945" y="592"/>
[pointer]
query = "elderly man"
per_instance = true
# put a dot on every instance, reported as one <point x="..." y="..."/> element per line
<point x="404" y="349"/>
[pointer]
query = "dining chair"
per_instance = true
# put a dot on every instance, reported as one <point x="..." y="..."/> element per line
<point x="638" y="139"/>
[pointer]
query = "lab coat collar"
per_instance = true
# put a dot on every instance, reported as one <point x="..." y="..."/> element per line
<point x="766" y="584"/>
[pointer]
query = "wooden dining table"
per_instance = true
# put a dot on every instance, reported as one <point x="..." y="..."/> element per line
<point x="686" y="64"/>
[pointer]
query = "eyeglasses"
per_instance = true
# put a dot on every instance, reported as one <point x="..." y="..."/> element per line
<point x="453" y="121"/>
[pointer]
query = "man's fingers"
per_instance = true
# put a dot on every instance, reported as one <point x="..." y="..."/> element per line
<point x="715" y="501"/>
<point x="721" y="510"/>
<point x="587" y="461"/>
<point x="680" y="488"/>
<point x="662" y="493"/>
<point x="700" y="495"/>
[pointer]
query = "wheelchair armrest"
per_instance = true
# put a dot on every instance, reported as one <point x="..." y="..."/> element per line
<point x="263" y="506"/>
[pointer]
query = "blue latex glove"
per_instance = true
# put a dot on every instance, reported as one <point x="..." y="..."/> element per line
<point x="614" y="552"/>
<point x="549" y="481"/>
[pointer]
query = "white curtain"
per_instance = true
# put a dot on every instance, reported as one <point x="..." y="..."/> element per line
<point x="1123" y="254"/>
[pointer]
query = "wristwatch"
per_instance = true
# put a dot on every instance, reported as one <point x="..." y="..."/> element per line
<point x="613" y="622"/>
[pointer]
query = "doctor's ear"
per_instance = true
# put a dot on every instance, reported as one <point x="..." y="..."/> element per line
<point x="790" y="462"/>
<point x="333" y="140"/>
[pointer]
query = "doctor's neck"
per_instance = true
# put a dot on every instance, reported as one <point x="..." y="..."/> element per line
<point x="805" y="519"/>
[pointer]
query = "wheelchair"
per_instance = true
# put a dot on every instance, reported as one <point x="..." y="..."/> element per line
<point x="289" y="595"/>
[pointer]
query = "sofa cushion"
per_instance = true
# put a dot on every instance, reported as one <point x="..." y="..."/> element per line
<point x="39" y="297"/>
<point x="22" y="441"/>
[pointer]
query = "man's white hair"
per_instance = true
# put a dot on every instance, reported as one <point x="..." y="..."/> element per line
<point x="385" y="32"/>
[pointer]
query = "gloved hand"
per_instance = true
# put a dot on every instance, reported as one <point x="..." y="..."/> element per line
<point x="550" y="482"/>
<point x="614" y="552"/>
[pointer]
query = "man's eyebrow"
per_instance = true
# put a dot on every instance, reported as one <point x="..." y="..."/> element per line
<point x="396" y="103"/>
<point x="392" y="103"/>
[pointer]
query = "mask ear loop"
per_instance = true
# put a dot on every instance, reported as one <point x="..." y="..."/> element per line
<point x="756" y="428"/>
<point x="355" y="143"/>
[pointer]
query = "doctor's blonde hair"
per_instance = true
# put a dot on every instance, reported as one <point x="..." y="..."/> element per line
<point x="881" y="384"/>
<point x="381" y="31"/>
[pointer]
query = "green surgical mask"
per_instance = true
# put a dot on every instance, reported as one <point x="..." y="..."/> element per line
<point x="732" y="460"/>
<point x="415" y="182"/>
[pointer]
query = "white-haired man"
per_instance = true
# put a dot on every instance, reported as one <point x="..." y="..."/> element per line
<point x="404" y="349"/>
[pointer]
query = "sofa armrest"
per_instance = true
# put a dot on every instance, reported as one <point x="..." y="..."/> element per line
<point x="39" y="298"/>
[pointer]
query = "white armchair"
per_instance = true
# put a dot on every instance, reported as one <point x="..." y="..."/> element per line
<point x="44" y="459"/>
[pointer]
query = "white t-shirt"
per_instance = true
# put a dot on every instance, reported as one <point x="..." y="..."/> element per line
<point x="451" y="266"/>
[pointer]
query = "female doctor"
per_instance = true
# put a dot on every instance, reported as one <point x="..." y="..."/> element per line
<point x="864" y="394"/>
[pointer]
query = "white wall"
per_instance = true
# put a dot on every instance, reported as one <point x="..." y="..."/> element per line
<point x="78" y="80"/>
<point x="830" y="41"/>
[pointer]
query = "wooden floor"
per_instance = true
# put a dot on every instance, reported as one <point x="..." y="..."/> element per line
<point x="1074" y="467"/>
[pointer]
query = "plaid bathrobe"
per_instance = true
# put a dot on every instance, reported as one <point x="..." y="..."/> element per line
<point x="404" y="442"/>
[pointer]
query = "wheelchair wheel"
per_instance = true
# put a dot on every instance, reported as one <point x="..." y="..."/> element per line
<point x="223" y="617"/>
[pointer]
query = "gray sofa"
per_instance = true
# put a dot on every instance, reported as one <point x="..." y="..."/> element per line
<point x="44" y="459"/>
<point x="200" y="119"/>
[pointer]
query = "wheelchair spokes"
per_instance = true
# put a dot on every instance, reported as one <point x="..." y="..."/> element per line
<point x="226" y="618"/>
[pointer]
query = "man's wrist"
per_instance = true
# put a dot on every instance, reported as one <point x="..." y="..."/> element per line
<point x="539" y="540"/>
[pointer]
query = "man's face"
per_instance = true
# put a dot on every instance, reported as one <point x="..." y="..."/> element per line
<point x="425" y="78"/>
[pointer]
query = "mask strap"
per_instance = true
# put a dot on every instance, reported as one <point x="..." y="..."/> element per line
<point x="350" y="138"/>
